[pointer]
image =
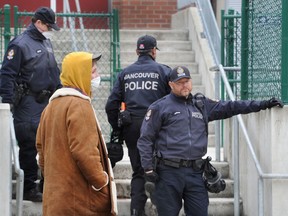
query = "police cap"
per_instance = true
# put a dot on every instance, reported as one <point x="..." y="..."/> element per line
<point x="146" y="43"/>
<point x="178" y="73"/>
<point x="47" y="15"/>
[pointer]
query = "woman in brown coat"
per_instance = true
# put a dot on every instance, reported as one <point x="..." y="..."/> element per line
<point x="72" y="154"/>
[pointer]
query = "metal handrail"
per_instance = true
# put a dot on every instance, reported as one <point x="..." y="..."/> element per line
<point x="19" y="172"/>
<point x="261" y="174"/>
<point x="210" y="28"/>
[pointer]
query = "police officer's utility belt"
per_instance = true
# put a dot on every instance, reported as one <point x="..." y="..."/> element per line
<point x="177" y="163"/>
<point x="41" y="96"/>
<point x="21" y="90"/>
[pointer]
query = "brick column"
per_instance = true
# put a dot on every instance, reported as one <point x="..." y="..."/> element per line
<point x="145" y="14"/>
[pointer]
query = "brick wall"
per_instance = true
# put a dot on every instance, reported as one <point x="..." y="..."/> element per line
<point x="149" y="14"/>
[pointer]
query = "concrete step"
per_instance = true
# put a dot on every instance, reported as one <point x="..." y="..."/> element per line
<point x="220" y="204"/>
<point x="123" y="189"/>
<point x="163" y="45"/>
<point x="217" y="207"/>
<point x="125" y="45"/>
<point x="177" y="56"/>
<point x="169" y="34"/>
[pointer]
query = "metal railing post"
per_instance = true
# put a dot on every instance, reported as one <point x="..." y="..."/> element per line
<point x="260" y="196"/>
<point x="236" y="167"/>
<point x="217" y="123"/>
<point x="19" y="172"/>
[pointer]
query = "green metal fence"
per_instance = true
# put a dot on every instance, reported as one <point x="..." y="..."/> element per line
<point x="5" y="33"/>
<point x="264" y="46"/>
<point x="92" y="32"/>
<point x="262" y="21"/>
<point x="2" y="25"/>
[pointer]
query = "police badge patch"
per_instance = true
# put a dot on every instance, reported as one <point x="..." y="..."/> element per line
<point x="10" y="54"/>
<point x="148" y="115"/>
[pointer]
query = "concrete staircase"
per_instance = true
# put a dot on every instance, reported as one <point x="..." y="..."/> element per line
<point x="175" y="49"/>
<point x="220" y="204"/>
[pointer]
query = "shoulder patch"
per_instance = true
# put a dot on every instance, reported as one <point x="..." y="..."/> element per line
<point x="148" y="115"/>
<point x="10" y="54"/>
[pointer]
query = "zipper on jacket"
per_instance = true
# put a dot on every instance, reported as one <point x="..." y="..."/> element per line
<point x="189" y="129"/>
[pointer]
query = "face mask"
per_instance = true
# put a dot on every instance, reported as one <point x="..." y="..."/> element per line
<point x="95" y="83"/>
<point x="48" y="34"/>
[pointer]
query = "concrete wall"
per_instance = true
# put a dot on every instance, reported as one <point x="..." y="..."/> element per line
<point x="267" y="132"/>
<point x="189" y="18"/>
<point x="5" y="160"/>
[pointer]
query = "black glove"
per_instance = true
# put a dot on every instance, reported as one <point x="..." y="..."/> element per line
<point x="115" y="148"/>
<point x="151" y="178"/>
<point x="271" y="103"/>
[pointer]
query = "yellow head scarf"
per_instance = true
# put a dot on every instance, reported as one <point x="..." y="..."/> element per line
<point x="76" y="71"/>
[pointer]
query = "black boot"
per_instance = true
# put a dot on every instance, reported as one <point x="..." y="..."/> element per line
<point x="33" y="195"/>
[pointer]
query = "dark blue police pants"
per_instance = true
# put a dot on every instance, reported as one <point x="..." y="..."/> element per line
<point x="176" y="184"/>
<point x="131" y="134"/>
<point x="26" y="136"/>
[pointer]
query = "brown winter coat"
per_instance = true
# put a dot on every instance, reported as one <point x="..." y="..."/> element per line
<point x="72" y="157"/>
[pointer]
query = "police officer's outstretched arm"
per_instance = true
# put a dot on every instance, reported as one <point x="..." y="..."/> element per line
<point x="226" y="109"/>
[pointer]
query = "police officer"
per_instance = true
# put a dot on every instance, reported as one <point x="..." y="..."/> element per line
<point x="176" y="128"/>
<point x="138" y="86"/>
<point x="28" y="77"/>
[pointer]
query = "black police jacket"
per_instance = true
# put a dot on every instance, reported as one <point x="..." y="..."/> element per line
<point x="29" y="60"/>
<point x="138" y="85"/>
<point x="177" y="127"/>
